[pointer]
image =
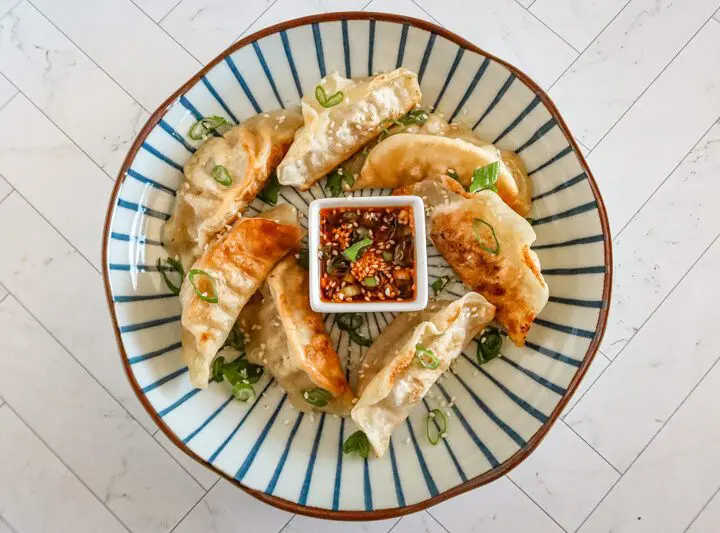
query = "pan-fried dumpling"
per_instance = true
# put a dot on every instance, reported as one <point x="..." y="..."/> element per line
<point x="393" y="380"/>
<point x="226" y="276"/>
<point x="289" y="339"/>
<point x="487" y="244"/>
<point x="204" y="207"/>
<point x="352" y="115"/>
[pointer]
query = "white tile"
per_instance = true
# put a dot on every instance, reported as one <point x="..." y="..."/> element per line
<point x="202" y="475"/>
<point x="611" y="74"/>
<point x="156" y="9"/>
<point x="399" y="7"/>
<point x="3" y="293"/>
<point x="717" y="15"/>
<point x="577" y="21"/>
<point x="125" y="43"/>
<point x="499" y="507"/>
<point x="709" y="518"/>
<point x="226" y="508"/>
<point x="47" y="274"/>
<point x="7" y="90"/>
<point x="660" y="366"/>
<point x="37" y="492"/>
<point x="420" y="522"/>
<point x="107" y="449"/>
<point x="598" y="365"/>
<point x="7" y="5"/>
<point x="304" y="524"/>
<point x="687" y="98"/>
<point x="507" y="31"/>
<point x="565" y="477"/>
<point x="41" y="163"/>
<point x="5" y="527"/>
<point x="674" y="477"/>
<point x="651" y="255"/>
<point x="207" y="27"/>
<point x="5" y="188"/>
<point x="68" y="87"/>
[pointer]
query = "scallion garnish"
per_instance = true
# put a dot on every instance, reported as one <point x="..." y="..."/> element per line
<point x="530" y="220"/>
<point x="478" y="225"/>
<point x="370" y="281"/>
<point x="177" y="265"/>
<point x="269" y="194"/>
<point x="203" y="127"/>
<point x="217" y="370"/>
<point x="221" y="175"/>
<point x="304" y="258"/>
<point x="485" y="178"/>
<point x="439" y="284"/>
<point x="336" y="180"/>
<point x="243" y="392"/>
<point x="436" y="426"/>
<point x="207" y="290"/>
<point x="325" y="100"/>
<point x="357" y="442"/>
<point x="317" y="397"/>
<point x="236" y="340"/>
<point x="388" y="256"/>
<point x="426" y="357"/>
<point x="489" y="345"/>
<point x="351" y="322"/>
<point x="416" y="116"/>
<point x="454" y="175"/>
<point x="354" y="251"/>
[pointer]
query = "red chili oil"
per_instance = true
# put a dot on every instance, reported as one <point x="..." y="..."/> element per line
<point x="367" y="254"/>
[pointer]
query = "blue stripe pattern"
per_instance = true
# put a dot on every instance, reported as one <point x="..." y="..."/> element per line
<point x="346" y="49"/>
<point x="578" y="332"/>
<point x="593" y="304"/>
<point x="209" y="419"/>
<point x="149" y="324"/>
<point x="572" y="242"/>
<point x="401" y="46"/>
<point x="319" y="52"/>
<point x="243" y="85"/>
<point x="259" y="442"/>
<point x="535" y="137"/>
<point x="178" y="403"/>
<point x="367" y="486"/>
<point x="396" y="477"/>
<point x="162" y="157"/>
<point x="143" y="179"/>
<point x="155" y="353"/>
<point x="291" y="61"/>
<point x="338" y="468"/>
<point x="471" y="88"/>
<point x="268" y="74"/>
<point x="532" y="375"/>
<point x="142" y="209"/>
<point x="496" y="100"/>
<point x="429" y="481"/>
<point x="553" y="354"/>
<point x="142" y="298"/>
<point x="565" y="151"/>
<point x="590" y="206"/>
<point x="140" y="239"/>
<point x="175" y="135"/>
<point x="281" y="464"/>
<point x="164" y="380"/>
<point x="576" y="271"/>
<point x="525" y="112"/>
<point x="311" y="464"/>
<point x="371" y="46"/>
<point x="426" y="56"/>
<point x="219" y="98"/>
<point x="569" y="183"/>
<point x="453" y="458"/>
<point x="448" y="78"/>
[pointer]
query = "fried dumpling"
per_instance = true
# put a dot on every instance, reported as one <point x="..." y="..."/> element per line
<point x="226" y="276"/>
<point x="393" y="380"/>
<point x="351" y="116"/>
<point x="204" y="206"/>
<point x="487" y="244"/>
<point x="289" y="339"/>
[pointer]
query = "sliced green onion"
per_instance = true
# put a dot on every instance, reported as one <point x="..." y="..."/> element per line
<point x="485" y="178"/>
<point x="175" y="289"/>
<point x="336" y="179"/>
<point x="454" y="175"/>
<point x="205" y="126"/>
<point x="236" y="340"/>
<point x="439" y="284"/>
<point x="243" y="392"/>
<point x="436" y="426"/>
<point x="370" y="281"/>
<point x="337" y="265"/>
<point x="317" y="397"/>
<point x="387" y="256"/>
<point x="217" y="369"/>
<point x="222" y="176"/>
<point x="426" y="357"/>
<point x="530" y="220"/>
<point x="327" y="101"/>
<point x="359" y="339"/>
<point x="269" y="194"/>
<point x="416" y="116"/>
<point x="489" y="345"/>
<point x="353" y="252"/>
<point x="304" y="258"/>
<point x="350" y="291"/>
<point x="357" y="442"/>
<point x="478" y="225"/>
<point x="349" y="321"/>
<point x="209" y="296"/>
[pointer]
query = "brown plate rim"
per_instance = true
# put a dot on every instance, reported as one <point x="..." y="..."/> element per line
<point x="475" y="482"/>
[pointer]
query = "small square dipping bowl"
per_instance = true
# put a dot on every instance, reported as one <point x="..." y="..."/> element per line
<point x="421" y="282"/>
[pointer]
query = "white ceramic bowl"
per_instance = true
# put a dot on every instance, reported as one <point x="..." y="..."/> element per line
<point x="421" y="294"/>
<point x="501" y="410"/>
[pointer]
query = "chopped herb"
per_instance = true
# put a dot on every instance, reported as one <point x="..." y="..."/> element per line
<point x="325" y="100"/>
<point x="236" y="340"/>
<point x="370" y="281"/>
<point x="242" y="371"/>
<point x="222" y="176"/>
<point x="357" y="442"/>
<point x="317" y="397"/>
<point x="426" y="357"/>
<point x="217" y="370"/>
<point x="336" y="179"/>
<point x="351" y="322"/>
<point x="478" y="225"/>
<point x="337" y="265"/>
<point x="359" y="339"/>
<point x="488" y="346"/>
<point x="206" y="125"/>
<point x="486" y="177"/>
<point x="269" y="194"/>
<point x="439" y="284"/>
<point x="304" y="258"/>
<point x="388" y="256"/>
<point x="416" y="116"/>
<point x="353" y="252"/>
<point x="177" y="265"/>
<point x="207" y="292"/>
<point x="436" y="426"/>
<point x="243" y="392"/>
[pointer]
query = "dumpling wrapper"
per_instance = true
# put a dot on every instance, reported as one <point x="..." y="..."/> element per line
<point x="204" y="207"/>
<point x="239" y="262"/>
<point x="331" y="135"/>
<point x="291" y="342"/>
<point x="392" y="382"/>
<point x="511" y="279"/>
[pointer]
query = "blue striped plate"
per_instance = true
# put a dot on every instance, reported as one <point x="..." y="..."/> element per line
<point x="499" y="412"/>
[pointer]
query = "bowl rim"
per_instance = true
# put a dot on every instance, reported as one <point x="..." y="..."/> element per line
<point x="483" y="479"/>
<point x="417" y="206"/>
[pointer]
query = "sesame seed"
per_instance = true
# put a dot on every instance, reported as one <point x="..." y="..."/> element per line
<point x="286" y="422"/>
<point x="407" y="441"/>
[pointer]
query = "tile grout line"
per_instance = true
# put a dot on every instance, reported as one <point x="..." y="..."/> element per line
<point x="254" y="21"/>
<point x="398" y="520"/>
<point x="593" y="448"/>
<point x="578" y="52"/>
<point x="426" y="12"/>
<point x="536" y="503"/>
<point x="183" y="517"/>
<point x="648" y="318"/>
<point x="652" y="439"/>
<point x="16" y="297"/>
<point x="705" y="505"/>
<point x="4" y="520"/>
<point x="284" y="526"/>
<point x="8" y="406"/>
<point x="649" y="85"/>
<point x="160" y="21"/>
<point x="436" y="520"/>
